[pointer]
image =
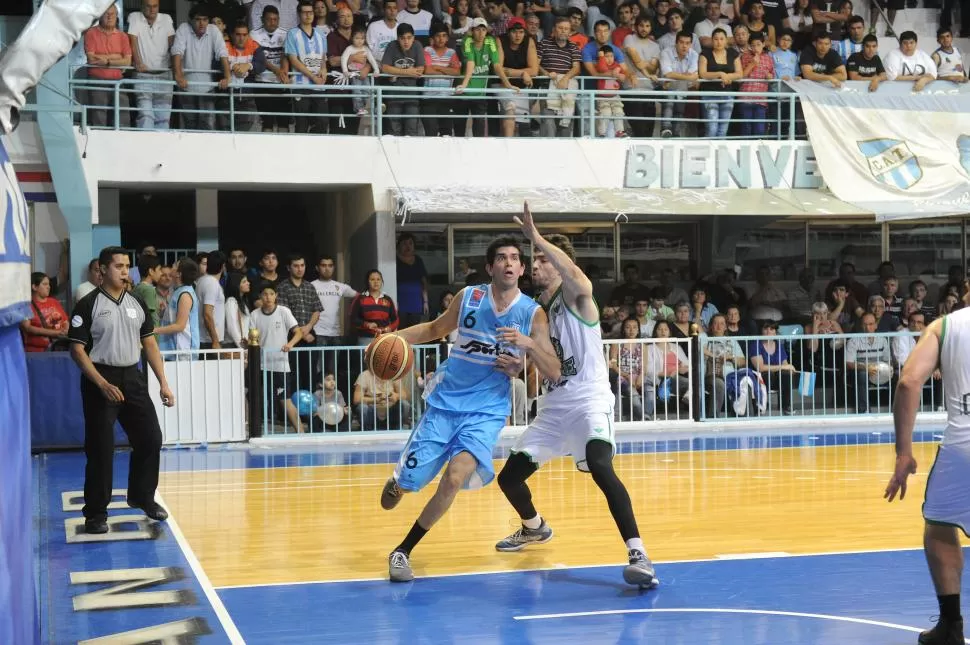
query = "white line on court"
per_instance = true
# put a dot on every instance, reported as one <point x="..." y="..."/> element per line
<point x="753" y="556"/>
<point x="720" y="610"/>
<point x="560" y="567"/>
<point x="210" y="592"/>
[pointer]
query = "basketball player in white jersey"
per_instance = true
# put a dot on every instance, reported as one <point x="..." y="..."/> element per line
<point x="576" y="412"/>
<point x="944" y="344"/>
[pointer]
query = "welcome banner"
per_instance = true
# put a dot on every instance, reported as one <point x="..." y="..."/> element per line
<point x="894" y="152"/>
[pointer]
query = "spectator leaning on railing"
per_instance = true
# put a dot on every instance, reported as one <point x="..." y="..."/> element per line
<point x="306" y="49"/>
<point x="559" y="59"/>
<point x="755" y="63"/>
<point x="273" y="107"/>
<point x="821" y="63"/>
<point x="152" y="35"/>
<point x="643" y="54"/>
<point x="679" y="68"/>
<point x="910" y="64"/>
<point x="404" y="61"/>
<point x="481" y="55"/>
<point x="519" y="59"/>
<point x="108" y="50"/>
<point x="948" y="59"/>
<point x="866" y="64"/>
<point x="442" y="65"/>
<point x="718" y="68"/>
<point x="247" y="61"/>
<point x="196" y="47"/>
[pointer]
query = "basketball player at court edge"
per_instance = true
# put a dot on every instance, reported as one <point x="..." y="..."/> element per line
<point x="944" y="345"/>
<point x="470" y="393"/>
<point x="576" y="411"/>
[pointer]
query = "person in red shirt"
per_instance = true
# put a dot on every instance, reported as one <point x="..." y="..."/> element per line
<point x="108" y="50"/>
<point x="373" y="312"/>
<point x="49" y="322"/>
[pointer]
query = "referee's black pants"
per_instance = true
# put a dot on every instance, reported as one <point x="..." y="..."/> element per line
<point x="139" y="421"/>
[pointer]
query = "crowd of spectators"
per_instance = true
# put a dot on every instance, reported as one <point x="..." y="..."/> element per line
<point x="801" y="336"/>
<point x="733" y="54"/>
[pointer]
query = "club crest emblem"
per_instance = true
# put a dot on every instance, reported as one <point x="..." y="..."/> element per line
<point x="891" y="162"/>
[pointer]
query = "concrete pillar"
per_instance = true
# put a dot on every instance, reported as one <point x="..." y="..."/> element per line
<point x="207" y="219"/>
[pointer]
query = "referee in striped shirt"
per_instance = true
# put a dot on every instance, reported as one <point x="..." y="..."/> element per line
<point x="109" y="326"/>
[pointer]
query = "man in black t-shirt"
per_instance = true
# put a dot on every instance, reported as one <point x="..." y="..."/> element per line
<point x="821" y="63"/>
<point x="867" y="64"/>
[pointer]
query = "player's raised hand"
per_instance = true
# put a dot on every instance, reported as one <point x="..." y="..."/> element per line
<point x="527" y="224"/>
<point x="510" y="365"/>
<point x="905" y="466"/>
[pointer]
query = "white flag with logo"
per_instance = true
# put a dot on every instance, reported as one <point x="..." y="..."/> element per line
<point x="894" y="152"/>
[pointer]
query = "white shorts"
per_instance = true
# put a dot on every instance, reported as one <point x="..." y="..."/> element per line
<point x="555" y="433"/>
<point x="947" y="498"/>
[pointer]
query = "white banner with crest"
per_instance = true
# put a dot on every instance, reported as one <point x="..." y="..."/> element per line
<point x="892" y="152"/>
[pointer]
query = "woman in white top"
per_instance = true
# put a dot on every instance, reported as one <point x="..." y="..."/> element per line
<point x="237" y="308"/>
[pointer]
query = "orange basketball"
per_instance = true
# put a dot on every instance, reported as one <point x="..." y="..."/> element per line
<point x="389" y="357"/>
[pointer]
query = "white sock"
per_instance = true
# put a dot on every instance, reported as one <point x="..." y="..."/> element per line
<point x="636" y="543"/>
<point x="534" y="523"/>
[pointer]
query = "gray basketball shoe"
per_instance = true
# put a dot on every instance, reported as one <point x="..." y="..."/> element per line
<point x="524" y="537"/>
<point x="399" y="567"/>
<point x="640" y="571"/>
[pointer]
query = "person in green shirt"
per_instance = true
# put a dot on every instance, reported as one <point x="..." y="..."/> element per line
<point x="150" y="270"/>
<point x="481" y="54"/>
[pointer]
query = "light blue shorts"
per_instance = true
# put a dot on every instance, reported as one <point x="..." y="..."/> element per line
<point x="442" y="434"/>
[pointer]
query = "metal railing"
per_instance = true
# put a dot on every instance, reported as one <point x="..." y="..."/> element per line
<point x="330" y="389"/>
<point x="658" y="383"/>
<point x="384" y="108"/>
<point x="651" y="379"/>
<point x="828" y="375"/>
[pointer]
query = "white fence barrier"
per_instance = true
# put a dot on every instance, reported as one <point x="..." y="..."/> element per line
<point x="210" y="396"/>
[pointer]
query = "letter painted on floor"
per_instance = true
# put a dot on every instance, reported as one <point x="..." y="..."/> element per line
<point x="180" y="632"/>
<point x="124" y="592"/>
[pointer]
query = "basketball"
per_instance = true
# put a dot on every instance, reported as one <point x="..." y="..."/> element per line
<point x="389" y="357"/>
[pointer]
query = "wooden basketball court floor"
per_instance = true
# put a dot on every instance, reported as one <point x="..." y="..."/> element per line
<point x="757" y="539"/>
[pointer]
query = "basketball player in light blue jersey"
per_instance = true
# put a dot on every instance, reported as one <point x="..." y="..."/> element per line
<point x="471" y="395"/>
<point x="576" y="411"/>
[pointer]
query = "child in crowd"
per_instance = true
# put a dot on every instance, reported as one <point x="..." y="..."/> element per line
<point x="757" y="64"/>
<point x="327" y="392"/>
<point x="608" y="103"/>
<point x="355" y="72"/>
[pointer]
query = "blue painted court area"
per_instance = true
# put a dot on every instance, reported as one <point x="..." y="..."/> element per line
<point x="136" y="578"/>
<point x="866" y="599"/>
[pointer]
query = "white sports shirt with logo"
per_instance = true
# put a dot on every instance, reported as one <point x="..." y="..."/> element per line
<point x="584" y="382"/>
